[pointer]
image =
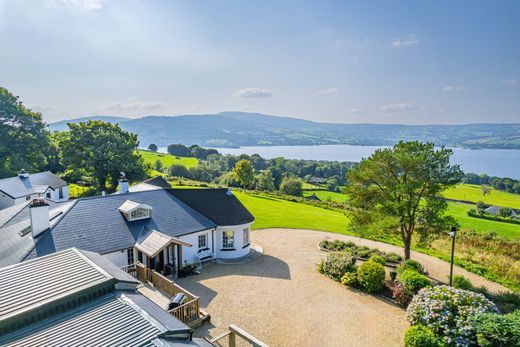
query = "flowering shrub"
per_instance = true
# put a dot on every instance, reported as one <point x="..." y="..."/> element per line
<point x="371" y="276"/>
<point x="337" y="264"/>
<point x="445" y="310"/>
<point x="400" y="294"/>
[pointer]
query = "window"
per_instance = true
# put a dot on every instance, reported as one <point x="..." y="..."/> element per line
<point x="28" y="197"/>
<point x="139" y="213"/>
<point x="61" y="193"/>
<point x="228" y="239"/>
<point x="245" y="233"/>
<point x="203" y="241"/>
<point x="130" y="256"/>
<point x="48" y="195"/>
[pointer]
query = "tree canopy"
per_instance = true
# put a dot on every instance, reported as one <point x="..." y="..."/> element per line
<point x="153" y="147"/>
<point x="103" y="150"/>
<point x="399" y="190"/>
<point x="244" y="173"/>
<point x="24" y="139"/>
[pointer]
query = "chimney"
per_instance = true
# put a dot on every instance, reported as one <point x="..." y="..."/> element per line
<point x="23" y="174"/>
<point x="123" y="184"/>
<point x="39" y="211"/>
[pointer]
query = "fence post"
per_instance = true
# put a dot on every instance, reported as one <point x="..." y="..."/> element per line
<point x="232" y="340"/>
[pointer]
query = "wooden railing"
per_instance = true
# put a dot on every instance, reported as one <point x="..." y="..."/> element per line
<point x="232" y="334"/>
<point x="188" y="311"/>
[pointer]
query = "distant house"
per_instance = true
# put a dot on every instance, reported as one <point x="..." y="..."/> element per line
<point x="494" y="211"/>
<point x="25" y="186"/>
<point x="312" y="197"/>
<point x="150" y="223"/>
<point x="78" y="298"/>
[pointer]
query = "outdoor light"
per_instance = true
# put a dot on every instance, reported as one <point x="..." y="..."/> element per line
<point x="452" y="234"/>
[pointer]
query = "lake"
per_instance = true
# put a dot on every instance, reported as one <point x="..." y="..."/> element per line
<point x="494" y="162"/>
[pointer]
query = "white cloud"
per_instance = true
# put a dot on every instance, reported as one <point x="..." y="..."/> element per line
<point x="510" y="82"/>
<point x="333" y="91"/>
<point x="402" y="106"/>
<point x="134" y="107"/>
<point x="407" y="41"/>
<point x="355" y="111"/>
<point x="454" y="89"/>
<point x="254" y="93"/>
<point x="86" y="5"/>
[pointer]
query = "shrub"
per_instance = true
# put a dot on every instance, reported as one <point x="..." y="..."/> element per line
<point x="462" y="282"/>
<point x="378" y="259"/>
<point x="364" y="253"/>
<point x="291" y="186"/>
<point x="413" y="281"/>
<point x="400" y="294"/>
<point x="392" y="257"/>
<point x="371" y="276"/>
<point x="421" y="336"/>
<point x="337" y="264"/>
<point x="393" y="275"/>
<point x="411" y="265"/>
<point x="507" y="301"/>
<point x="320" y="267"/>
<point x="349" y="279"/>
<point x="493" y="329"/>
<point x="446" y="310"/>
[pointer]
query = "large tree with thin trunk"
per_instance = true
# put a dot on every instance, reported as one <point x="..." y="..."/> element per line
<point x="24" y="140"/>
<point x="103" y="150"/>
<point x="399" y="190"/>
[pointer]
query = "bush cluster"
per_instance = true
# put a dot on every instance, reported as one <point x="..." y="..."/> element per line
<point x="337" y="264"/>
<point x="401" y="294"/>
<point x="360" y="251"/>
<point x="371" y="276"/>
<point x="413" y="265"/>
<point x="492" y="329"/>
<point x="413" y="281"/>
<point x="421" y="336"/>
<point x="350" y="279"/>
<point x="446" y="311"/>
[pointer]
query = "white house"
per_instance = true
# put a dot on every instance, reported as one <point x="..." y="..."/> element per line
<point x="25" y="186"/>
<point x="153" y="224"/>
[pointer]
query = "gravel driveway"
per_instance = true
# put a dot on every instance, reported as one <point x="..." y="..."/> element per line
<point x="281" y="298"/>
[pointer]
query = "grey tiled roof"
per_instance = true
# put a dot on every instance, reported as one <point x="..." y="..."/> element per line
<point x="95" y="224"/>
<point x="17" y="187"/>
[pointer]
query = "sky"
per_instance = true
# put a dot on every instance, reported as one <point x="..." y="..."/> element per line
<point x="411" y="62"/>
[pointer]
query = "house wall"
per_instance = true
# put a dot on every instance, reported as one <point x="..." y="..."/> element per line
<point x="55" y="194"/>
<point x="240" y="249"/>
<point x="118" y="258"/>
<point x="189" y="253"/>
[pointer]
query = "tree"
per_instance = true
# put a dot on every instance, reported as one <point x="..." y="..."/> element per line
<point x="505" y="212"/>
<point x="481" y="206"/>
<point x="244" y="173"/>
<point x="396" y="186"/>
<point x="178" y="170"/>
<point x="291" y="186"/>
<point x="153" y="147"/>
<point x="265" y="181"/>
<point x="103" y="150"/>
<point x="179" y="150"/>
<point x="24" y="140"/>
<point x="485" y="189"/>
<point x="158" y="165"/>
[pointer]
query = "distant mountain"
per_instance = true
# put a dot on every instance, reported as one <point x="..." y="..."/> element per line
<point x="62" y="125"/>
<point x="232" y="129"/>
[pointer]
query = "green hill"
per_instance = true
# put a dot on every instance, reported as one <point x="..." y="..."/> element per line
<point x="471" y="192"/>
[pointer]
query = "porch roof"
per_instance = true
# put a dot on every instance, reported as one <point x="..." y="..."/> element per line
<point x="151" y="242"/>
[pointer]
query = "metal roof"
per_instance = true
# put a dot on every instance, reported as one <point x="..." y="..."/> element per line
<point x="17" y="187"/>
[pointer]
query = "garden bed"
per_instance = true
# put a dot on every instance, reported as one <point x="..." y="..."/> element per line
<point x="362" y="253"/>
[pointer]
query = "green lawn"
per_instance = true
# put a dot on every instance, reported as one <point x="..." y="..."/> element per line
<point x="506" y="230"/>
<point x="271" y="212"/>
<point x="167" y="159"/>
<point x="325" y="195"/>
<point x="471" y="192"/>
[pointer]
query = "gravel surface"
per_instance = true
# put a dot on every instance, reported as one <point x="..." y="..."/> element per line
<point x="281" y="299"/>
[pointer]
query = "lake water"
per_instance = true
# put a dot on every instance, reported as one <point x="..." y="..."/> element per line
<point x="494" y="162"/>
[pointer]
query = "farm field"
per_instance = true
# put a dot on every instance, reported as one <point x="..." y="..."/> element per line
<point x="167" y="159"/>
<point x="271" y="212"/>
<point x="471" y="192"/>
<point x="325" y="195"/>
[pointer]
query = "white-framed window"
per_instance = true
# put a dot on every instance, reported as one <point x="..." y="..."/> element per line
<point x="130" y="256"/>
<point x="140" y="213"/>
<point x="245" y="236"/>
<point x="203" y="241"/>
<point x="228" y="239"/>
<point x="60" y="192"/>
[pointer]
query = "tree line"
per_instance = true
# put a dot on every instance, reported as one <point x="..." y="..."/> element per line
<point x="499" y="183"/>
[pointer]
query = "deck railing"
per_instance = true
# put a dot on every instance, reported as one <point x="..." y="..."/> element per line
<point x="231" y="337"/>
<point x="188" y="311"/>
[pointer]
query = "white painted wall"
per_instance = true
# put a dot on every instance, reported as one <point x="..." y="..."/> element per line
<point x="189" y="253"/>
<point x="55" y="194"/>
<point x="118" y="258"/>
<point x="7" y="201"/>
<point x="239" y="250"/>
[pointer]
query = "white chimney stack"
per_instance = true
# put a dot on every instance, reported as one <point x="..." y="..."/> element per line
<point x="123" y="184"/>
<point x="23" y="174"/>
<point x="39" y="212"/>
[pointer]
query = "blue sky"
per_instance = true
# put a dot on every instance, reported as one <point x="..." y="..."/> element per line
<point x="416" y="62"/>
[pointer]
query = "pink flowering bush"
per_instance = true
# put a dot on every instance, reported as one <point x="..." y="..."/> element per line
<point x="445" y="310"/>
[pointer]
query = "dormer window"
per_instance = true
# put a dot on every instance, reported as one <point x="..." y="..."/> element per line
<point x="135" y="211"/>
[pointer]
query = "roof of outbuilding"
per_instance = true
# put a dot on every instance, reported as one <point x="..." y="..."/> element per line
<point x="220" y="205"/>
<point x="95" y="224"/>
<point x="17" y="187"/>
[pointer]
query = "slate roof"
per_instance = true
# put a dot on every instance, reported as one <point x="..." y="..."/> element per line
<point x="95" y="224"/>
<point x="17" y="187"/>
<point x="494" y="210"/>
<point x="219" y="205"/>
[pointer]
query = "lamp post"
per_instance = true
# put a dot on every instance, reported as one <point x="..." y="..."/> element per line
<point x="452" y="234"/>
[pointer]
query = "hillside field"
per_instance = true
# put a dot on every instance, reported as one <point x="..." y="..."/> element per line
<point x="167" y="159"/>
<point x="472" y="192"/>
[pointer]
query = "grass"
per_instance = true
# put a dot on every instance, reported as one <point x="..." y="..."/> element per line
<point x="167" y="159"/>
<point x="325" y="195"/>
<point x="471" y="192"/>
<point x="505" y="230"/>
<point x="272" y="212"/>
